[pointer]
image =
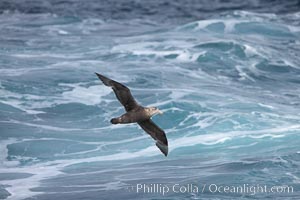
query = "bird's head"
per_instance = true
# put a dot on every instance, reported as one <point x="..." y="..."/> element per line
<point x="153" y="111"/>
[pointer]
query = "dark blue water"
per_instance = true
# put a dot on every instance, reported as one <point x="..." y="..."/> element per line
<point x="225" y="73"/>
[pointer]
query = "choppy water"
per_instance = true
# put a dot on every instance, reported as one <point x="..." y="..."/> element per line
<point x="226" y="75"/>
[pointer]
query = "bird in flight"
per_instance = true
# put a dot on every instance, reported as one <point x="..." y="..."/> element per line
<point x="136" y="113"/>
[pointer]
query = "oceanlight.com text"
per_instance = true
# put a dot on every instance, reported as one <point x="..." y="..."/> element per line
<point x="250" y="189"/>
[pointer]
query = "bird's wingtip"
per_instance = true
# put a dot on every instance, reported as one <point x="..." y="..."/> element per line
<point x="101" y="77"/>
<point x="162" y="147"/>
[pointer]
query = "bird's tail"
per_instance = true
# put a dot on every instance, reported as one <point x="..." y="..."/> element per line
<point x="115" y="121"/>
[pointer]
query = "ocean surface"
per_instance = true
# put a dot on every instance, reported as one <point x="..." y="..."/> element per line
<point x="226" y="74"/>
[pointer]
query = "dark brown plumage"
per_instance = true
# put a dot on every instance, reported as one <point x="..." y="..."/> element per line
<point x="136" y="113"/>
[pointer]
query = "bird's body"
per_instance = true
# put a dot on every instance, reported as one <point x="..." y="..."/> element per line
<point x="132" y="116"/>
<point x="136" y="113"/>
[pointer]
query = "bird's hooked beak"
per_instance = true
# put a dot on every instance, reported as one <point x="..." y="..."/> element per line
<point x="159" y="112"/>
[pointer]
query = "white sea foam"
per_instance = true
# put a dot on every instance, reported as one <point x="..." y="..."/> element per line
<point x="20" y="188"/>
<point x="253" y="51"/>
<point x="243" y="74"/>
<point x="229" y="24"/>
<point x="183" y="80"/>
<point x="4" y="153"/>
<point x="15" y="100"/>
<point x="242" y="146"/>
<point x="186" y="56"/>
<point x="91" y="95"/>
<point x="254" y="15"/>
<point x="46" y="127"/>
<point x="266" y="106"/>
<point x="60" y="129"/>
<point x="215" y="138"/>
<point x="86" y="95"/>
<point x="183" y="55"/>
<point x="296" y="179"/>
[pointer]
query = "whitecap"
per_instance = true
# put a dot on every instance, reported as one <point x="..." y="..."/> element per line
<point x="215" y="138"/>
<point x="79" y="93"/>
<point x="86" y="95"/>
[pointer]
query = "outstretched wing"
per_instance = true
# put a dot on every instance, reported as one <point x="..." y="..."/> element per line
<point x="121" y="91"/>
<point x="157" y="134"/>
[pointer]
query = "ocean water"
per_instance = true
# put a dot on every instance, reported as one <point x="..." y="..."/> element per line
<point x="226" y="74"/>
